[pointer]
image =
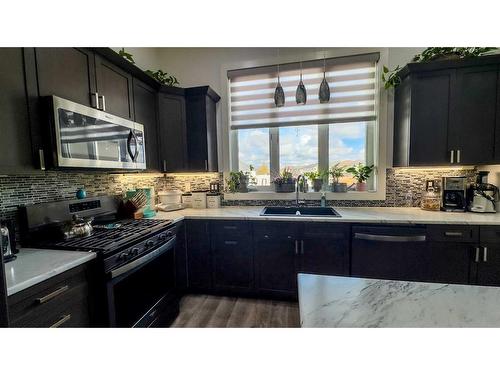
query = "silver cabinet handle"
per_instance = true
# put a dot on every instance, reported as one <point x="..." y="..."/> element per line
<point x="96" y="99"/>
<point x="103" y="103"/>
<point x="206" y="165"/>
<point x="302" y="247"/>
<point x="458" y="156"/>
<point x="52" y="295"/>
<point x="230" y="227"/>
<point x="266" y="236"/>
<point x="164" y="165"/>
<point x="61" y="321"/>
<point x="485" y="254"/>
<point x="231" y="242"/>
<point x="385" y="238"/>
<point x="476" y="259"/>
<point x="296" y="247"/>
<point x="452" y="154"/>
<point x="42" y="159"/>
<point x="453" y="234"/>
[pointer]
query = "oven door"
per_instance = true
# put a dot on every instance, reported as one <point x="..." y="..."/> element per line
<point x="89" y="138"/>
<point x="142" y="293"/>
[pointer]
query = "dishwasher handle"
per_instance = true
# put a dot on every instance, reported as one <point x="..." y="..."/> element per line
<point x="389" y="238"/>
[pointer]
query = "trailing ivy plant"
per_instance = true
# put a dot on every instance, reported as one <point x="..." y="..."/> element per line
<point x="390" y="78"/>
<point x="159" y="75"/>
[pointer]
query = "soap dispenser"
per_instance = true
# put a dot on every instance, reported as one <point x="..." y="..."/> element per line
<point x="323" y="200"/>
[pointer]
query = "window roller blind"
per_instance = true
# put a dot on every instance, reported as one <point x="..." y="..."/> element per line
<point x="352" y="83"/>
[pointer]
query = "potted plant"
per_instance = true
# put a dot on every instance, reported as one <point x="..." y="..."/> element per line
<point x="285" y="182"/>
<point x="361" y="173"/>
<point x="238" y="181"/>
<point x="337" y="171"/>
<point x="317" y="179"/>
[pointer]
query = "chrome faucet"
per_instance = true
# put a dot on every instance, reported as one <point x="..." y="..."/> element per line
<point x="297" y="202"/>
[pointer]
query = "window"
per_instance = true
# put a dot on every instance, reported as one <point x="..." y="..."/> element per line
<point x="309" y="137"/>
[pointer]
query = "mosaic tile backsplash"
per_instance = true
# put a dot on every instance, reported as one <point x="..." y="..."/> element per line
<point x="404" y="187"/>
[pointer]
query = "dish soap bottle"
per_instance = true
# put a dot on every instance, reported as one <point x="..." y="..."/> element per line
<point x="323" y="200"/>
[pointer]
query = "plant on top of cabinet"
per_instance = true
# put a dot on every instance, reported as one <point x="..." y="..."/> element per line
<point x="317" y="178"/>
<point x="391" y="78"/>
<point x="285" y="182"/>
<point x="337" y="171"/>
<point x="361" y="173"/>
<point x="238" y="181"/>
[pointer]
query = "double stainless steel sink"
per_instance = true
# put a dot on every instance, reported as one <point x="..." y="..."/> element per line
<point x="299" y="211"/>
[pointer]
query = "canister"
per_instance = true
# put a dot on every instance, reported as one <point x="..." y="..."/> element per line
<point x="187" y="200"/>
<point x="199" y="199"/>
<point x="213" y="200"/>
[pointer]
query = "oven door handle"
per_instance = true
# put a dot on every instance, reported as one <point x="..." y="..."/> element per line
<point x="135" y="153"/>
<point x="144" y="259"/>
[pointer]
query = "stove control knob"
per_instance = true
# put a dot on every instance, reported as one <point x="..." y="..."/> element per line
<point x="135" y="251"/>
<point x="162" y="237"/>
<point x="123" y="256"/>
<point x="150" y="243"/>
<point x="170" y="233"/>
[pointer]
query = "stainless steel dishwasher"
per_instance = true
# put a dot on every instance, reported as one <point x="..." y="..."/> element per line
<point x="389" y="252"/>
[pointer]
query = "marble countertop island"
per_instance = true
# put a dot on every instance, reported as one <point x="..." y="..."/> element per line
<point x="33" y="266"/>
<point x="333" y="301"/>
<point x="395" y="215"/>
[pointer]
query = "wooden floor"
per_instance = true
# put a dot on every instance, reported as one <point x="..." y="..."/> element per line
<point x="200" y="311"/>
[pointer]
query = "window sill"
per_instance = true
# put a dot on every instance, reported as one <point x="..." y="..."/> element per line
<point x="271" y="195"/>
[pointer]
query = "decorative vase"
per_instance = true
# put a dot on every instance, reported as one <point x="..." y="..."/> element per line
<point x="243" y="185"/>
<point x="287" y="187"/>
<point x="339" y="187"/>
<point x="360" y="186"/>
<point x="317" y="184"/>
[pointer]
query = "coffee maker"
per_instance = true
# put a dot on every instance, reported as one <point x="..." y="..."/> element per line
<point x="481" y="195"/>
<point x="8" y="241"/>
<point x="453" y="194"/>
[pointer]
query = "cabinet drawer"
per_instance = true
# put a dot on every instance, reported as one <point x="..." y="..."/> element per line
<point x="453" y="233"/>
<point x="490" y="234"/>
<point x="275" y="230"/>
<point x="326" y="230"/>
<point x="230" y="228"/>
<point x="44" y="297"/>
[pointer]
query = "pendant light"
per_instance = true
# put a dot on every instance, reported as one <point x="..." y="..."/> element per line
<point x="301" y="94"/>
<point x="279" y="95"/>
<point x="324" y="88"/>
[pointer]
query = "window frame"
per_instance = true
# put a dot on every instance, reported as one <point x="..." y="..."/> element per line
<point x="230" y="151"/>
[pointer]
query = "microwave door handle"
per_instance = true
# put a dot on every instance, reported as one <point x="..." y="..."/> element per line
<point x="131" y="136"/>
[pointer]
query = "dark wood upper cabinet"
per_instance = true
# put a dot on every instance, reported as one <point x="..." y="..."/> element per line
<point x="145" y="110"/>
<point x="474" y="115"/>
<point x="14" y="118"/>
<point x="172" y="130"/>
<point x="446" y="113"/>
<point x="201" y="121"/>
<point x="421" y="118"/>
<point x="114" y="87"/>
<point x="68" y="73"/>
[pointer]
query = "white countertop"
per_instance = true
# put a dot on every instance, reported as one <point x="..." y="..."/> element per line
<point x="33" y="266"/>
<point x="332" y="301"/>
<point x="396" y="215"/>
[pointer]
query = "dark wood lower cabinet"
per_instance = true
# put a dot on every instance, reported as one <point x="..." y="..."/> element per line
<point x="62" y="301"/>
<point x="199" y="255"/>
<point x="447" y="262"/>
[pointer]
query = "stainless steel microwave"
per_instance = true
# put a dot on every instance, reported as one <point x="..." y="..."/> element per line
<point x="84" y="137"/>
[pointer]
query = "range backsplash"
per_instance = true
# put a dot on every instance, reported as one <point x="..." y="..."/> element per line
<point x="404" y="187"/>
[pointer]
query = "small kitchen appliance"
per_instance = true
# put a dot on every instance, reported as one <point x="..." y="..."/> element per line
<point x="481" y="195"/>
<point x="431" y="199"/>
<point x="8" y="241"/>
<point x="454" y="191"/>
<point x="134" y="271"/>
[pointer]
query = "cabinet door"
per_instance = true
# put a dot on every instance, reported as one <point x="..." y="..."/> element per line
<point x="448" y="262"/>
<point x="276" y="247"/>
<point x="488" y="264"/>
<point x="14" y="119"/>
<point x="199" y="257"/>
<point x="325" y="249"/>
<point x="4" y="317"/>
<point x="430" y="115"/>
<point x="145" y="102"/>
<point x="396" y="253"/>
<point x="474" y="115"/>
<point x="115" y="88"/>
<point x="172" y="133"/>
<point x="68" y="73"/>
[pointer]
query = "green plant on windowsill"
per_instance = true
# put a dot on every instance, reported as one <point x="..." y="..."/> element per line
<point x="238" y="181"/>
<point x="390" y="78"/>
<point x="337" y="171"/>
<point x="317" y="178"/>
<point x="285" y="182"/>
<point x="159" y="75"/>
<point x="361" y="173"/>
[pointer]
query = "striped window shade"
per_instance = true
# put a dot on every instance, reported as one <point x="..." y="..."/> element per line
<point x="352" y="83"/>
